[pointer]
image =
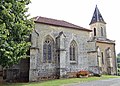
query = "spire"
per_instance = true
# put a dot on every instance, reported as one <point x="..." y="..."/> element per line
<point x="97" y="17"/>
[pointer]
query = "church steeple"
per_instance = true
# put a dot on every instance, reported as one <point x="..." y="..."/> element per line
<point x="98" y="25"/>
<point x="97" y="17"/>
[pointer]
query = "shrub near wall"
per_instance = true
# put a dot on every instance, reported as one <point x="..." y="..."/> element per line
<point x="82" y="73"/>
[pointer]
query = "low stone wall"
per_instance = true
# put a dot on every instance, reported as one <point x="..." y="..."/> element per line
<point x="1" y="79"/>
<point x="47" y="76"/>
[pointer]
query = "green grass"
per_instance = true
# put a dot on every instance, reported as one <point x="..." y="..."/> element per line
<point x="60" y="82"/>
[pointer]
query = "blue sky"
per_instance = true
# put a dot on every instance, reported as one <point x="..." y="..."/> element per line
<point x="80" y="12"/>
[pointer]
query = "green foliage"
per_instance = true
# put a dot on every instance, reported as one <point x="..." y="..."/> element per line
<point x="118" y="65"/>
<point x="118" y="54"/>
<point x="15" y="29"/>
<point x="118" y="71"/>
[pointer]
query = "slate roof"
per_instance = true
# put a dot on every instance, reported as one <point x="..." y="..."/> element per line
<point x="60" y="23"/>
<point x="97" y="17"/>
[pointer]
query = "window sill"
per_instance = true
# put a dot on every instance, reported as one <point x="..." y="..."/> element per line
<point x="73" y="62"/>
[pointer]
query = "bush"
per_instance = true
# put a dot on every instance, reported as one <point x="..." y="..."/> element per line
<point x="95" y="74"/>
<point x="82" y="73"/>
<point x="98" y="75"/>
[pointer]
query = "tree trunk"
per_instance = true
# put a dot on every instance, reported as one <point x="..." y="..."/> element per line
<point x="1" y="75"/>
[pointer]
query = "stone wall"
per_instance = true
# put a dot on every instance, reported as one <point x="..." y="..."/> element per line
<point x="18" y="72"/>
<point x="98" y="26"/>
<point x="93" y="62"/>
<point x="40" y="70"/>
<point x="103" y="47"/>
<point x="86" y="58"/>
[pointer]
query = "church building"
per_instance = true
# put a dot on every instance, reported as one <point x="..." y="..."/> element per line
<point x="60" y="48"/>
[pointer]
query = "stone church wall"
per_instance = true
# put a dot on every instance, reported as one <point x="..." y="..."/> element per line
<point x="93" y="62"/>
<point x="46" y="70"/>
<point x="103" y="47"/>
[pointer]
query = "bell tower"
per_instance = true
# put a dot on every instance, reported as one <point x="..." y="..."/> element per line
<point x="98" y="25"/>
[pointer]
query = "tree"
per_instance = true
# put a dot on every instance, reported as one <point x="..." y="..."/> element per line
<point x="118" y="54"/>
<point x="15" y="29"/>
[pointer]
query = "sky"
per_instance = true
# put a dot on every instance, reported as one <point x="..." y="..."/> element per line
<point x="80" y="12"/>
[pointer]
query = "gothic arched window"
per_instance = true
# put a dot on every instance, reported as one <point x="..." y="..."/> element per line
<point x="48" y="49"/>
<point x="73" y="51"/>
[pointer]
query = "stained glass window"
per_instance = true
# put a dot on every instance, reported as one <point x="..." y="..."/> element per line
<point x="44" y="52"/>
<point x="48" y="49"/>
<point x="73" y="51"/>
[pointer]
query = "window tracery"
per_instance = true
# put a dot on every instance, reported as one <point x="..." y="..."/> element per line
<point x="73" y="51"/>
<point x="48" y="49"/>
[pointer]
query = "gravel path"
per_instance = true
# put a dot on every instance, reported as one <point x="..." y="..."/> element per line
<point x="108" y="82"/>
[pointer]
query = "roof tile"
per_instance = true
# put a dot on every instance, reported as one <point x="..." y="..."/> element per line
<point x="55" y="22"/>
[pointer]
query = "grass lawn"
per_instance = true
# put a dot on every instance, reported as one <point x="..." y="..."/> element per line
<point x="60" y="82"/>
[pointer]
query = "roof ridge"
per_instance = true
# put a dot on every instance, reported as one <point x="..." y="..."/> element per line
<point x="57" y="22"/>
<point x="74" y="24"/>
<point x="50" y="18"/>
